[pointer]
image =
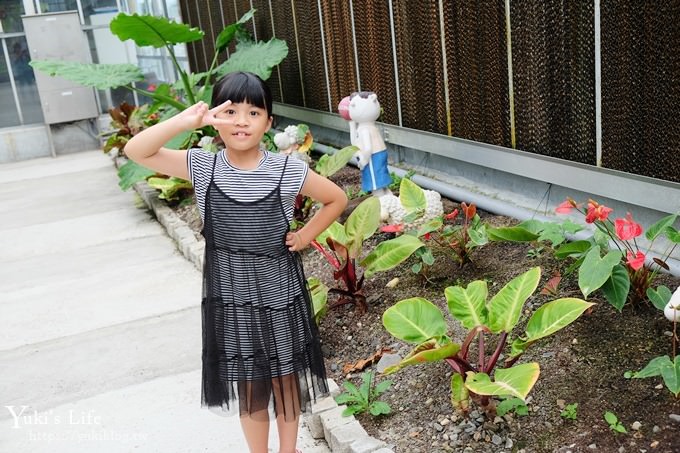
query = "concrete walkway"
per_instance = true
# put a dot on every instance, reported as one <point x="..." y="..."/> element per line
<point x="100" y="327"/>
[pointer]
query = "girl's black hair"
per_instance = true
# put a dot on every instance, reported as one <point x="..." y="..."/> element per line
<point x="243" y="87"/>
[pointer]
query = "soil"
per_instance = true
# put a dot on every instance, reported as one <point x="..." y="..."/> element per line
<point x="583" y="363"/>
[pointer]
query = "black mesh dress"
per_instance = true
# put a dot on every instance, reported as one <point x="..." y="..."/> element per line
<point x="260" y="343"/>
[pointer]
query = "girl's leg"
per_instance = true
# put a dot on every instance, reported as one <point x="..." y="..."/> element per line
<point x="286" y="396"/>
<point x="254" y="396"/>
<point x="256" y="430"/>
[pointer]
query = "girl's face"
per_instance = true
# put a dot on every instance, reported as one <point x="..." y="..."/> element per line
<point x="248" y="125"/>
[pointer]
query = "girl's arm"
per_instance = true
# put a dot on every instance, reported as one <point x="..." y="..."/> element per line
<point x="334" y="201"/>
<point x="146" y="148"/>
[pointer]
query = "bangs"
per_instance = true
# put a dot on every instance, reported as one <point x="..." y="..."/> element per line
<point x="243" y="87"/>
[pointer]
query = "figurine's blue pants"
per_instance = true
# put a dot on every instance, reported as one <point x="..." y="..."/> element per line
<point x="375" y="176"/>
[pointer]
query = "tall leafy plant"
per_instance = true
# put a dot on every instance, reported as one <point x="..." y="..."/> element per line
<point x="342" y="246"/>
<point x="150" y="31"/>
<point x="420" y="322"/>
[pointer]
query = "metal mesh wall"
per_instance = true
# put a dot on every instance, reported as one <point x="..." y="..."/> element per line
<point x="289" y="68"/>
<point x="265" y="31"/>
<point x="211" y="24"/>
<point x="374" y="43"/>
<point x="553" y="76"/>
<point x="477" y="70"/>
<point x="419" y="62"/>
<point x="337" y="25"/>
<point x="553" y="69"/>
<point x="641" y="87"/>
<point x="189" y="17"/>
<point x="311" y="54"/>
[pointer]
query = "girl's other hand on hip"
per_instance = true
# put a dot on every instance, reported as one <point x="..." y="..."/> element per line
<point x="294" y="241"/>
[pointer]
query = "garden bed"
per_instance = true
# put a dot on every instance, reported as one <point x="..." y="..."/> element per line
<point x="583" y="363"/>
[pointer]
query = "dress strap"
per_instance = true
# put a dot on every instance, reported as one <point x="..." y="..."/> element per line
<point x="283" y="171"/>
<point x="212" y="173"/>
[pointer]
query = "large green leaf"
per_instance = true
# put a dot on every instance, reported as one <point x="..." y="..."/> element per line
<point x="659" y="296"/>
<point x="179" y="141"/>
<point x="468" y="305"/>
<point x="664" y="367"/>
<point x="259" y="58"/>
<point x="428" y="351"/>
<point x="319" y="293"/>
<point x="555" y="232"/>
<point x="512" y="234"/>
<point x="328" y="165"/>
<point x="227" y="35"/>
<point x="363" y="221"/>
<point x="659" y="227"/>
<point x="548" y="319"/>
<point x="532" y="225"/>
<point x="101" y="76"/>
<point x="131" y="172"/>
<point x="478" y="234"/>
<point x="169" y="187"/>
<point x="389" y="254"/>
<point x="595" y="271"/>
<point x="505" y="307"/>
<point x="516" y="381"/>
<point x="414" y="320"/>
<point x="616" y="288"/>
<point x="460" y="398"/>
<point x="429" y="226"/>
<point x="411" y="196"/>
<point x="155" y="31"/>
<point x="672" y="234"/>
<point x="336" y="232"/>
<point x="576" y="248"/>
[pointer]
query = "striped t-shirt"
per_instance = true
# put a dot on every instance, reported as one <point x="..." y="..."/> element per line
<point x="246" y="185"/>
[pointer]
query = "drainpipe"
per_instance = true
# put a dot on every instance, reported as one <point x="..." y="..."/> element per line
<point x="493" y="205"/>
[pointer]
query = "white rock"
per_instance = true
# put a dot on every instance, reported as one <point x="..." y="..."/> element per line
<point x="392" y="212"/>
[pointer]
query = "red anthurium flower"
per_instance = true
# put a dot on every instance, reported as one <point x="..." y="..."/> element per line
<point x="564" y="208"/>
<point x="469" y="211"/>
<point x="397" y="228"/>
<point x="626" y="228"/>
<point x="635" y="261"/>
<point x="451" y="215"/>
<point x="427" y="236"/>
<point x="597" y="212"/>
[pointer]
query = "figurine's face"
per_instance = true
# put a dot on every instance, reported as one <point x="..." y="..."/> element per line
<point x="364" y="109"/>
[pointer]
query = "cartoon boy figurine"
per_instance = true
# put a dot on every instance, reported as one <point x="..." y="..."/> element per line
<point x="361" y="110"/>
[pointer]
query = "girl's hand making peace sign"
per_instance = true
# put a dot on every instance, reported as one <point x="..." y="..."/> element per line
<point x="210" y="117"/>
<point x="198" y="115"/>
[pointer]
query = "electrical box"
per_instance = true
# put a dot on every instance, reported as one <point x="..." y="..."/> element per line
<point x="58" y="36"/>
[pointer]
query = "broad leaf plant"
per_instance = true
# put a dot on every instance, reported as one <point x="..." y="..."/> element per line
<point x="476" y="376"/>
<point x="342" y="246"/>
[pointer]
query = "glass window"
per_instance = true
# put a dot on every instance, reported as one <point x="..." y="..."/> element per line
<point x="54" y="6"/>
<point x="99" y="12"/>
<point x="10" y="15"/>
<point x="8" y="113"/>
<point x="24" y="79"/>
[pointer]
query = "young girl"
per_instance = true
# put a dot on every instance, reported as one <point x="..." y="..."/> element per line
<point x="260" y="343"/>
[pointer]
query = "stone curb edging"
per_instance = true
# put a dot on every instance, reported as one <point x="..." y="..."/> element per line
<point x="343" y="434"/>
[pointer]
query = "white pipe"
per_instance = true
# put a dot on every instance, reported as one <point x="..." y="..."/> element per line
<point x="495" y="206"/>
